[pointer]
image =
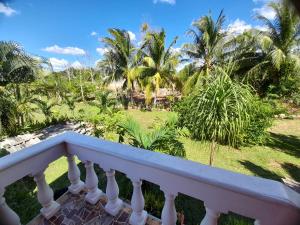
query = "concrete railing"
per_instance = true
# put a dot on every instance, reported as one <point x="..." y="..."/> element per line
<point x="268" y="202"/>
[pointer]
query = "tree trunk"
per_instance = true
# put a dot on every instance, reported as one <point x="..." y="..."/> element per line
<point x="81" y="88"/>
<point x="212" y="152"/>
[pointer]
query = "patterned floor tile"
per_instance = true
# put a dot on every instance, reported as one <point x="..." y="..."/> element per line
<point x="75" y="211"/>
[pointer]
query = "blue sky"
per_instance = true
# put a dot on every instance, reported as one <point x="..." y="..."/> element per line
<point x="68" y="32"/>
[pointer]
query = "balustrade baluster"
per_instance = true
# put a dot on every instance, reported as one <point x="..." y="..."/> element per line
<point x="7" y="215"/>
<point x="45" y="196"/>
<point x="114" y="204"/>
<point x="91" y="183"/>
<point x="169" y="215"/>
<point x="74" y="176"/>
<point x="139" y="215"/>
<point x="257" y="222"/>
<point x="211" y="217"/>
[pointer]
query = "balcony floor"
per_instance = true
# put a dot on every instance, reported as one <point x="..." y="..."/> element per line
<point x="75" y="211"/>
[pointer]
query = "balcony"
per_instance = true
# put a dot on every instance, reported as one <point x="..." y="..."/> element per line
<point x="267" y="202"/>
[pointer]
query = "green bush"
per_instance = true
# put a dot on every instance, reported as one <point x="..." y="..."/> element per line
<point x="261" y="118"/>
<point x="225" y="112"/>
<point x="163" y="138"/>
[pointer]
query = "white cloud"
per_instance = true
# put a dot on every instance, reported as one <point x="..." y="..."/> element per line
<point x="6" y="10"/>
<point x="181" y="65"/>
<point x="102" y="51"/>
<point x="77" y="65"/>
<point x="176" y="50"/>
<point x="171" y="2"/>
<point x="132" y="35"/>
<point x="65" y="50"/>
<point x="261" y="28"/>
<point x="62" y="64"/>
<point x="265" y="11"/>
<point x="238" y="27"/>
<point x="93" y="33"/>
<point x="58" y="64"/>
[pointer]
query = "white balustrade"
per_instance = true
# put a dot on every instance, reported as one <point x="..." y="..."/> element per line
<point x="169" y="215"/>
<point x="74" y="176"/>
<point x="7" y="215"/>
<point x="138" y="215"/>
<point x="45" y="196"/>
<point x="91" y="183"/>
<point x="211" y="217"/>
<point x="267" y="202"/>
<point x="114" y="204"/>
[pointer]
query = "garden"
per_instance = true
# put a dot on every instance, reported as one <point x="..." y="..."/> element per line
<point x="233" y="104"/>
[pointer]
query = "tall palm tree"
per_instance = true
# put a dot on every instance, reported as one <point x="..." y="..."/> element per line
<point x="159" y="64"/>
<point x="120" y="59"/>
<point x="16" y="66"/>
<point x="270" y="52"/>
<point x="208" y="39"/>
<point x="206" y="49"/>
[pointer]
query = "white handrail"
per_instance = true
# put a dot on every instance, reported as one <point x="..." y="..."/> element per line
<point x="269" y="202"/>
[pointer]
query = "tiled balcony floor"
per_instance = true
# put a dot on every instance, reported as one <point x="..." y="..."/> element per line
<point x="75" y="211"/>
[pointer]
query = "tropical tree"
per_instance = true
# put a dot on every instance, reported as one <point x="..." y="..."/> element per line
<point x="218" y="112"/>
<point x="268" y="57"/>
<point x="8" y="115"/>
<point x="16" y="69"/>
<point x="159" y="64"/>
<point x="120" y="59"/>
<point x="105" y="101"/>
<point x="16" y="66"/>
<point x="206" y="49"/>
<point x="46" y="107"/>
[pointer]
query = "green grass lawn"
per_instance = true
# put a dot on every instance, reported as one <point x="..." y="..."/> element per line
<point x="279" y="158"/>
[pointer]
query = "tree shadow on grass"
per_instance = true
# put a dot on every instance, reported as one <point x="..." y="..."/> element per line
<point x="289" y="144"/>
<point x="260" y="171"/>
<point x="292" y="170"/>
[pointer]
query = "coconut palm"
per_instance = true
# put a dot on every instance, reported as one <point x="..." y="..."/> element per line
<point x="120" y="59"/>
<point x="159" y="64"/>
<point x="266" y="54"/>
<point x="206" y="49"/>
<point x="16" y="66"/>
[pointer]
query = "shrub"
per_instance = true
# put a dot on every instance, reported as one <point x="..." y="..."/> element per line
<point x="162" y="138"/>
<point x="261" y="118"/>
<point x="223" y="112"/>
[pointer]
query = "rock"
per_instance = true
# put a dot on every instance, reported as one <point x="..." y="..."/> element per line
<point x="282" y="116"/>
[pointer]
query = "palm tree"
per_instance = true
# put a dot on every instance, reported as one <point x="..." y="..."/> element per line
<point x="120" y="59"/>
<point x="105" y="101"/>
<point x="46" y="108"/>
<point x="16" y="69"/>
<point x="16" y="66"/>
<point x="266" y="54"/>
<point x="8" y="115"/>
<point x="159" y="64"/>
<point x="206" y="49"/>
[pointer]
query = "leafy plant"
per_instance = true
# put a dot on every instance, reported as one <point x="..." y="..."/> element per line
<point x="261" y="118"/>
<point x="162" y="139"/>
<point x="219" y="112"/>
